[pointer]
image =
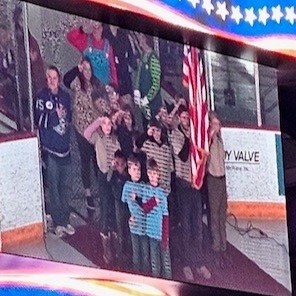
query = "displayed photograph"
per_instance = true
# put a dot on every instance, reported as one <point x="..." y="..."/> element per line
<point x="152" y="157"/>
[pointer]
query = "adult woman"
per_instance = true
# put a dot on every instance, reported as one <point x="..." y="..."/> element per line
<point x="81" y="80"/>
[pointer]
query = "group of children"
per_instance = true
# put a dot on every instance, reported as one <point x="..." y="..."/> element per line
<point x="142" y="177"/>
<point x="148" y="222"/>
<point x="119" y="131"/>
<point x="147" y="202"/>
<point x="143" y="163"/>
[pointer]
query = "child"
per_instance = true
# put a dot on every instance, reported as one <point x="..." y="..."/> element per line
<point x="173" y="110"/>
<point x="100" y="101"/>
<point x="137" y="222"/>
<point x="155" y="206"/>
<point x="155" y="145"/>
<point x="117" y="176"/>
<point x="127" y="132"/>
<point x="117" y="102"/>
<point x="105" y="146"/>
<point x="113" y="97"/>
<point x="166" y="124"/>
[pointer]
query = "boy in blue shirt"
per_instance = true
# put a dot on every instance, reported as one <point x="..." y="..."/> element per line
<point x="155" y="205"/>
<point x="132" y="190"/>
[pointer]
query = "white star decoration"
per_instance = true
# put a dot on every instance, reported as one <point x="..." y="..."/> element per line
<point x="222" y="10"/>
<point x="250" y="16"/>
<point x="290" y="15"/>
<point x="208" y="6"/>
<point x="263" y="15"/>
<point x="236" y="14"/>
<point x="277" y="14"/>
<point x="194" y="2"/>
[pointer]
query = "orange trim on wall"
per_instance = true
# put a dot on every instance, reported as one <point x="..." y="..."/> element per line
<point x="24" y="234"/>
<point x="259" y="210"/>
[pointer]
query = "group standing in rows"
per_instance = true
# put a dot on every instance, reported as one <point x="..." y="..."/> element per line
<point x="141" y="146"/>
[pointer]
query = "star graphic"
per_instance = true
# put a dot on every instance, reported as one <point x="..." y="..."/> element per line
<point x="222" y="10"/>
<point x="194" y="2"/>
<point x="276" y="14"/>
<point x="263" y="15"/>
<point x="208" y="6"/>
<point x="290" y="14"/>
<point x="236" y="14"/>
<point x="250" y="16"/>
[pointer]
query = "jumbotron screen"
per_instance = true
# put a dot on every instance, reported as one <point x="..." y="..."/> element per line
<point x="124" y="151"/>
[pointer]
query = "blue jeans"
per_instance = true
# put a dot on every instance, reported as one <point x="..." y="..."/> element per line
<point x="140" y="246"/>
<point x="160" y="259"/>
<point x="57" y="174"/>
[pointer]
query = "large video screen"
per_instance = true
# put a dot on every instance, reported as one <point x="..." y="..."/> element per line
<point x="155" y="158"/>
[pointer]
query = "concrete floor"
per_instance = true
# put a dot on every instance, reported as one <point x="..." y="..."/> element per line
<point x="53" y="248"/>
<point x="266" y="244"/>
<point x="267" y="249"/>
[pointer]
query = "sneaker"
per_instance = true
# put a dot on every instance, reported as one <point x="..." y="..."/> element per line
<point x="69" y="229"/>
<point x="73" y="215"/>
<point x="59" y="231"/>
<point x="90" y="203"/>
<point x="204" y="272"/>
<point x="90" y="215"/>
<point x="49" y="222"/>
<point x="188" y="273"/>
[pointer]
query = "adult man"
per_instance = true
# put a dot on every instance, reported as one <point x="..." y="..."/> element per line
<point x="217" y="189"/>
<point x="52" y="117"/>
<point x="189" y="199"/>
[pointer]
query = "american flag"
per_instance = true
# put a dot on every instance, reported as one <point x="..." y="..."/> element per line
<point x="194" y="79"/>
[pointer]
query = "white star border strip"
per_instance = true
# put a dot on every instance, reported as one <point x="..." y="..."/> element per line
<point x="249" y="15"/>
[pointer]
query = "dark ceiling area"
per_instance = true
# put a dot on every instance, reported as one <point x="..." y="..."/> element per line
<point x="287" y="99"/>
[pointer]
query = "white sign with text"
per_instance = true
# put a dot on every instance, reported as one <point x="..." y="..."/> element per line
<point x="251" y="165"/>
